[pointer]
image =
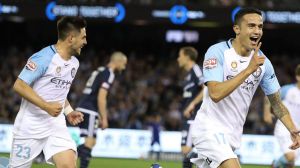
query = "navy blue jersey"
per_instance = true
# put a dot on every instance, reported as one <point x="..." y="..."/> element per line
<point x="103" y="77"/>
<point x="192" y="86"/>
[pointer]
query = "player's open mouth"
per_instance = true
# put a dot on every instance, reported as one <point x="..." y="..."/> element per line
<point x="254" y="40"/>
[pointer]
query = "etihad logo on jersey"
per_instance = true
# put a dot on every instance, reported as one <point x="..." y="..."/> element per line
<point x="210" y="63"/>
<point x="31" y="66"/>
<point x="61" y="83"/>
<point x="248" y="84"/>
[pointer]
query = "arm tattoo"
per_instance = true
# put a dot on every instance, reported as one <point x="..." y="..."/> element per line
<point x="278" y="107"/>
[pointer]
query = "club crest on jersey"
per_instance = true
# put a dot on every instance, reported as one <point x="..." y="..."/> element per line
<point x="73" y="72"/>
<point x="58" y="70"/>
<point x="257" y="73"/>
<point x="233" y="66"/>
<point x="210" y="63"/>
<point x="31" y="66"/>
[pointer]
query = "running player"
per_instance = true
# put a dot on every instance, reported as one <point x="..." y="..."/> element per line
<point x="44" y="84"/>
<point x="232" y="71"/>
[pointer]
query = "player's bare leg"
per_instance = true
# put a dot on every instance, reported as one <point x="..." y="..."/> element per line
<point x="287" y="160"/>
<point x="230" y="163"/>
<point x="65" y="159"/>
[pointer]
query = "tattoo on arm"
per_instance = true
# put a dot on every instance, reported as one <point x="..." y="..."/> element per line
<point x="278" y="107"/>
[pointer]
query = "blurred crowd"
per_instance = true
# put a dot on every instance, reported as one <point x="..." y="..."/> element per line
<point x="150" y="85"/>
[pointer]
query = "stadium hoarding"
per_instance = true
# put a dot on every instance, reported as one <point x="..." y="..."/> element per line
<point x="138" y="14"/>
<point x="135" y="144"/>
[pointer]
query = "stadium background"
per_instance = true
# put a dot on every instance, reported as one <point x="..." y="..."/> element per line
<point x="150" y="33"/>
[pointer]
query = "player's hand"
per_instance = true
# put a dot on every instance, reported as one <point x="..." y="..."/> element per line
<point x="268" y="118"/>
<point x="75" y="117"/>
<point x="256" y="60"/>
<point x="103" y="123"/>
<point x="189" y="110"/>
<point x="53" y="108"/>
<point x="296" y="140"/>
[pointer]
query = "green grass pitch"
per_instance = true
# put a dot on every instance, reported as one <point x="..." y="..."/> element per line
<point x="129" y="163"/>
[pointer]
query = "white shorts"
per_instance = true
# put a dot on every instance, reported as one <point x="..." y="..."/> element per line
<point x="213" y="148"/>
<point x="25" y="150"/>
<point x="283" y="137"/>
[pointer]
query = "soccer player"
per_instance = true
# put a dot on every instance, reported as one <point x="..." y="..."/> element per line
<point x="44" y="84"/>
<point x="192" y="96"/>
<point x="232" y="71"/>
<point x="290" y="95"/>
<point x="93" y="102"/>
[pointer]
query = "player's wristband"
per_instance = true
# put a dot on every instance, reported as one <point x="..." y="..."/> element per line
<point x="68" y="110"/>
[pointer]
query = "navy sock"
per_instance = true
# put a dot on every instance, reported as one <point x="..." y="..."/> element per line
<point x="186" y="163"/>
<point x="84" y="154"/>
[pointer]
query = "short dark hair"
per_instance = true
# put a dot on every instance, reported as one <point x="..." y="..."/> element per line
<point x="297" y="71"/>
<point x="190" y="52"/>
<point x="244" y="11"/>
<point x="67" y="24"/>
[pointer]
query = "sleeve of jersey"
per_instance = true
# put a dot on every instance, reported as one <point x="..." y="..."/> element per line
<point x="35" y="67"/>
<point x="106" y="80"/>
<point x="283" y="91"/>
<point x="213" y="65"/>
<point x="269" y="82"/>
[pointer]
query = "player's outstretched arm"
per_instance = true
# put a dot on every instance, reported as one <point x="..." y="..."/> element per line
<point x="219" y="90"/>
<point x="282" y="113"/>
<point x="24" y="90"/>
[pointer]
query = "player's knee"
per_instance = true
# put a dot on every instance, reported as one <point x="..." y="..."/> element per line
<point x="66" y="165"/>
<point x="185" y="150"/>
<point x="90" y="142"/>
<point x="290" y="157"/>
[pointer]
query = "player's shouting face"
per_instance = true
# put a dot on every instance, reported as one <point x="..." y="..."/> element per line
<point x="78" y="41"/>
<point x="249" y="30"/>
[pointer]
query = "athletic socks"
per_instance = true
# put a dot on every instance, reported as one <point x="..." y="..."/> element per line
<point x="282" y="163"/>
<point x="186" y="163"/>
<point x="84" y="154"/>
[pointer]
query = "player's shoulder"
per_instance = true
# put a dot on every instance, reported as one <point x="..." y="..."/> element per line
<point x="44" y="56"/>
<point x="288" y="86"/>
<point x="197" y="70"/>
<point x="220" y="46"/>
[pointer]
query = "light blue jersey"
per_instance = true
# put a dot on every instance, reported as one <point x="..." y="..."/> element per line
<point x="50" y="77"/>
<point x="290" y="95"/>
<point x="222" y="63"/>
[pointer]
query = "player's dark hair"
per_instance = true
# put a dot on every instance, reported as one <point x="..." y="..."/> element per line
<point x="244" y="11"/>
<point x="190" y="52"/>
<point x="297" y="71"/>
<point x="67" y="24"/>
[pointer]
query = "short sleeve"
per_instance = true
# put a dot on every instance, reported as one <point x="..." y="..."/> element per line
<point x="107" y="79"/>
<point x="284" y="90"/>
<point x="35" y="67"/>
<point x="213" y="65"/>
<point x="269" y="82"/>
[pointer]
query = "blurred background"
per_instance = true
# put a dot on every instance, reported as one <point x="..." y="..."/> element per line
<point x="149" y="32"/>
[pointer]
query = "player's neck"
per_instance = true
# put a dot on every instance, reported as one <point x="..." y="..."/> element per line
<point x="189" y="66"/>
<point x="239" y="49"/>
<point x="111" y="66"/>
<point x="63" y="50"/>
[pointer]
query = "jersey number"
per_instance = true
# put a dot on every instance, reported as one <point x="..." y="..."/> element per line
<point x="23" y="152"/>
<point x="90" y="82"/>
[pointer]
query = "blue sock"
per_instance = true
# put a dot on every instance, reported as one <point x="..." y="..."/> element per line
<point x="84" y="154"/>
<point x="281" y="162"/>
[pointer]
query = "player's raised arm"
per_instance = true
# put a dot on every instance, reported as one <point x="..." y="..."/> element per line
<point x="24" y="90"/>
<point x="282" y="113"/>
<point x="220" y="89"/>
